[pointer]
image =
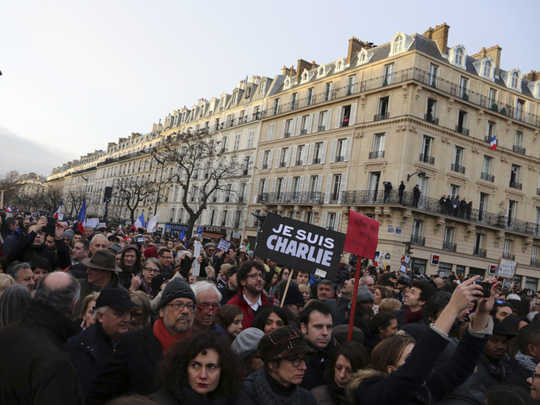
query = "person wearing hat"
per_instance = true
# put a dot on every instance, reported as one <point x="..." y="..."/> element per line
<point x="130" y="262"/>
<point x="68" y="237"/>
<point x="91" y="348"/>
<point x="246" y="348"/>
<point x="101" y="271"/>
<point x="364" y="310"/>
<point x="284" y="352"/>
<point x="207" y="258"/>
<point x="133" y="366"/>
<point x="293" y="305"/>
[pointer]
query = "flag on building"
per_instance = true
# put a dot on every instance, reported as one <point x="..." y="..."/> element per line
<point x="82" y="217"/>
<point x="139" y="222"/>
<point x="493" y="143"/>
<point x="152" y="224"/>
<point x="57" y="212"/>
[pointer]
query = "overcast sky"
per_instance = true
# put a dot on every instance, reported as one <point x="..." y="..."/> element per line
<point x="78" y="74"/>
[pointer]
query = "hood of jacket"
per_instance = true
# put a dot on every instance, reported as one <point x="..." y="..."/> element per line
<point x="357" y="379"/>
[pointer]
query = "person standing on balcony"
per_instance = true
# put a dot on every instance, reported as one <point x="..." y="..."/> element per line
<point x="462" y="208"/>
<point x="416" y="195"/>
<point x="387" y="190"/>
<point x="468" y="209"/>
<point x="442" y="203"/>
<point x="401" y="189"/>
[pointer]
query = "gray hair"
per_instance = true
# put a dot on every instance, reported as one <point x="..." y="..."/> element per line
<point x="327" y="282"/>
<point x="99" y="235"/>
<point x="363" y="279"/>
<point x="154" y="261"/>
<point x="58" y="299"/>
<point x="200" y="288"/>
<point x="16" y="267"/>
<point x="13" y="303"/>
<point x="101" y="310"/>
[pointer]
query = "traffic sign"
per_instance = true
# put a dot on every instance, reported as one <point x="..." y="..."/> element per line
<point x="199" y="230"/>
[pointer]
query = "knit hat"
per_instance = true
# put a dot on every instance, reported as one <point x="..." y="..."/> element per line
<point x="176" y="288"/>
<point x="116" y="248"/>
<point x="208" y="245"/>
<point x="294" y="296"/>
<point x="246" y="342"/>
<point x="283" y="343"/>
<point x="340" y="334"/>
<point x="364" y="294"/>
<point x="233" y="271"/>
<point x="158" y="280"/>
<point x="69" y="234"/>
<point x="150" y="252"/>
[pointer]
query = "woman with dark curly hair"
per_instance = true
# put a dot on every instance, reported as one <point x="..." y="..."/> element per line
<point x="270" y="318"/>
<point x="202" y="370"/>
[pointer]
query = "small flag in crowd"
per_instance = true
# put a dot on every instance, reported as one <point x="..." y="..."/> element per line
<point x="82" y="217"/>
<point x="139" y="222"/>
<point x="57" y="212"/>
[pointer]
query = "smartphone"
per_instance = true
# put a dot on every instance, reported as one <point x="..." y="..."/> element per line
<point x="51" y="226"/>
<point x="486" y="286"/>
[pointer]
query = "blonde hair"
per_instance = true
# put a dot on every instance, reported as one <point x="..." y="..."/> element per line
<point x="6" y="281"/>
<point x="389" y="304"/>
<point x="90" y="297"/>
<point x="305" y="288"/>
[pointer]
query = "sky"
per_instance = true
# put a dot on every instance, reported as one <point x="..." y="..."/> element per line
<point x="79" y="74"/>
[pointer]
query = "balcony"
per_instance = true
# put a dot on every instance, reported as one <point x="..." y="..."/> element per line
<point x="303" y="131"/>
<point x="458" y="168"/>
<point x="431" y="118"/>
<point x="287" y="135"/>
<point x="376" y="155"/>
<point x="311" y="197"/>
<point x="519" y="149"/>
<point x="516" y="185"/>
<point x="283" y="164"/>
<point x="298" y="163"/>
<point x="340" y="158"/>
<point x="479" y="252"/>
<point x="344" y="123"/>
<point x="487" y="177"/>
<point x="418" y="240"/>
<point x="462" y="130"/>
<point x="535" y="262"/>
<point x="322" y="128"/>
<point x="451" y="247"/>
<point x="317" y="161"/>
<point x="427" y="159"/>
<point x="334" y="198"/>
<point x="383" y="115"/>
<point x="266" y="166"/>
<point x="508" y="255"/>
<point x="432" y="205"/>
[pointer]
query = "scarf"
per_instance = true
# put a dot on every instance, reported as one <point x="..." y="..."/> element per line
<point x="147" y="288"/>
<point x="413" y="317"/>
<point x="165" y="337"/>
<point x="338" y="394"/>
<point x="527" y="362"/>
<point x="266" y="394"/>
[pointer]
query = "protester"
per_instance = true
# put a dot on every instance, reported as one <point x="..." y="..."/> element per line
<point x="165" y="257"/>
<point x="340" y="305"/>
<point x="31" y="350"/>
<point x="130" y="263"/>
<point x="207" y="298"/>
<point x="5" y="281"/>
<point x="246" y="348"/>
<point x="143" y="282"/>
<point x="40" y="267"/>
<point x="306" y="291"/>
<point x="87" y="317"/>
<point x="270" y="318"/>
<point x="325" y="290"/>
<point x="229" y="318"/>
<point x="140" y="317"/>
<point x="22" y="274"/>
<point x="13" y="304"/>
<point x="415" y="299"/>
<point x="230" y="288"/>
<point x="383" y="326"/>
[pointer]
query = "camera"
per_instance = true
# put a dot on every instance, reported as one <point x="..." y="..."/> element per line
<point x="486" y="287"/>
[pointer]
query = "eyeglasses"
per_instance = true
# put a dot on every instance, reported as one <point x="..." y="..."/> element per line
<point x="211" y="250"/>
<point x="151" y="270"/>
<point x="534" y="374"/>
<point x="255" y="276"/>
<point x="205" y="307"/>
<point x="296" y="361"/>
<point x="179" y="306"/>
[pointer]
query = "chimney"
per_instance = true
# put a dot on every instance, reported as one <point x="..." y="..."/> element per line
<point x="301" y="66"/>
<point x="355" y="46"/>
<point x="285" y="71"/>
<point x="533" y="76"/>
<point x="439" y="34"/>
<point x="494" y="52"/>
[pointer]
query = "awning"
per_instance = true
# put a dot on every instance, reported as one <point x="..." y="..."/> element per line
<point x="213" y="235"/>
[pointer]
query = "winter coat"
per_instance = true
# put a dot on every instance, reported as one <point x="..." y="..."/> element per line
<point x="87" y="288"/>
<point x="34" y="368"/>
<point x="185" y="395"/>
<point x="19" y="247"/>
<point x="413" y="382"/>
<point x="340" y="309"/>
<point x="240" y="302"/>
<point x="317" y="367"/>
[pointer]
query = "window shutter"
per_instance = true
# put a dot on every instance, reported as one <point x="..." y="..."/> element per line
<point x="266" y="186"/>
<point x="270" y="159"/>
<point x="309" y="123"/>
<point x="328" y="188"/>
<point x="336" y="223"/>
<point x="342" y="186"/>
<point x="256" y="196"/>
<point x="298" y="126"/>
<point x="247" y="191"/>
<point x="323" y="219"/>
<point x="287" y="157"/>
<point x="293" y="157"/>
<point x="348" y="147"/>
<point x="311" y="151"/>
<point x="333" y="151"/>
<point x="328" y="123"/>
<point x="293" y="125"/>
<point x="302" y="216"/>
<point x="283" y="128"/>
<point x="271" y="129"/>
<point x="278" y="158"/>
<point x="306" y="183"/>
<point x="323" y="152"/>
<point x="337" y="119"/>
<point x="304" y="155"/>
<point x="300" y="184"/>
<point x="319" y="183"/>
<point x="352" y="117"/>
<point x="316" y="122"/>
<point x="289" y="184"/>
<point x="273" y="189"/>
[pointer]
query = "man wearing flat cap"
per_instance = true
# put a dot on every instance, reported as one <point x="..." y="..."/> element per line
<point x="133" y="366"/>
<point x="284" y="352"/>
<point x="91" y="348"/>
<point x="101" y="272"/>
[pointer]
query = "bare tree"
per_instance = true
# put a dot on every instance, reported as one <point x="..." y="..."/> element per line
<point x="10" y="184"/>
<point x="200" y="166"/>
<point x="73" y="201"/>
<point x="51" y="197"/>
<point x="132" y="193"/>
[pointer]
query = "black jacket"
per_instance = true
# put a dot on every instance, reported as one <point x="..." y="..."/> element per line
<point x="340" y="309"/>
<point x="34" y="368"/>
<point x="21" y="249"/>
<point x="317" y="367"/>
<point x="89" y="351"/>
<point x="185" y="395"/>
<point x="87" y="288"/>
<point x="131" y="369"/>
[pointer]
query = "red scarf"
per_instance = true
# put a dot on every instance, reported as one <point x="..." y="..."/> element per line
<point x="413" y="317"/>
<point x="165" y="337"/>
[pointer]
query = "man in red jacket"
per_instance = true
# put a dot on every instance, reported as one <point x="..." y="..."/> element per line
<point x="251" y="298"/>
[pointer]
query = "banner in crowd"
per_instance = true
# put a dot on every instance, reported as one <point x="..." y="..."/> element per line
<point x="362" y="235"/>
<point x="300" y="245"/>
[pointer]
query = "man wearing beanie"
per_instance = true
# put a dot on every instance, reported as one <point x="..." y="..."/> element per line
<point x="293" y="305"/>
<point x="364" y="310"/>
<point x="132" y="368"/>
<point x="284" y="352"/>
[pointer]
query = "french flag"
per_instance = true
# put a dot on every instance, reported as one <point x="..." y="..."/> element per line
<point x="139" y="222"/>
<point x="493" y="143"/>
<point x="58" y="210"/>
<point x="9" y="209"/>
<point x="82" y="217"/>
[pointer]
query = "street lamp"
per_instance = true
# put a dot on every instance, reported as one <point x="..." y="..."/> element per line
<point x="420" y="173"/>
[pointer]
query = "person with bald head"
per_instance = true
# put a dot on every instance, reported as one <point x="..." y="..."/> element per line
<point x="35" y="369"/>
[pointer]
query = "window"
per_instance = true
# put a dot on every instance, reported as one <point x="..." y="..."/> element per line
<point x="486" y="71"/>
<point x="377" y="151"/>
<point x="461" y="126"/>
<point x="512" y="208"/>
<point x="297" y="187"/>
<point x="284" y="160"/>
<point x="478" y="245"/>
<point x="492" y="101"/>
<point x="224" y="144"/>
<point x="398" y="44"/>
<point x="515" y="177"/>
<point x="483" y="205"/>
<point x="327" y="91"/>
<point x="322" y="120"/>
<point x="457" y="166"/>
<point x="537" y="221"/>
<point x="520" y="108"/>
<point x="336" y="185"/>
<point x="373" y="185"/>
<point x="431" y="111"/>
<point x="241" y="117"/>
<point x="266" y="160"/>
<point x="388" y="74"/>
<point x="294" y="99"/>
<point x="417" y="236"/>
<point x="515" y="80"/>
<point x="235" y="97"/>
<point x="299" y="154"/>
<point x="212" y="217"/>
<point x="351" y="82"/>
<point x="304" y="125"/>
<point x="270" y="133"/>
<point x="341" y="149"/>
<point x="534" y="256"/>
<point x="433" y="69"/>
<point x="251" y="139"/>
<point x="518" y="142"/>
<point x="345" y="116"/>
<point x="425" y="155"/>
<point x="262" y="88"/>
<point x="332" y="221"/>
<point x="317" y="157"/>
<point x="487" y="169"/>
<point x="280" y="187"/>
<point x="454" y="190"/>
<point x="224" y="218"/>
<point x="491" y="131"/>
<point x="309" y="217"/>
<point x="276" y="106"/>
<point x="310" y="96"/>
<point x="288" y="125"/>
<point x="507" y="249"/>
<point x="463" y="88"/>
<point x="449" y="235"/>
<point x="383" y="109"/>
<point x="237" y="219"/>
<point x="458" y="56"/>
<point x="237" y="141"/>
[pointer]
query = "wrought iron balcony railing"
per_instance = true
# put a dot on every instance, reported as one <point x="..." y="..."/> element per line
<point x="519" y="149"/>
<point x="427" y="159"/>
<point x="458" y="168"/>
<point x="309" y="197"/>
<point x="508" y="255"/>
<point x="516" y="185"/>
<point x="462" y="130"/>
<point x="418" y="240"/>
<point x="383" y="115"/>
<point x="487" y="177"/>
<point x="376" y="155"/>
<point x="431" y="118"/>
<point x="451" y="247"/>
<point x="479" y="252"/>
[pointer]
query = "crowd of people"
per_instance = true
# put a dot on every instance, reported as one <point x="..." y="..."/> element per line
<point x="125" y="317"/>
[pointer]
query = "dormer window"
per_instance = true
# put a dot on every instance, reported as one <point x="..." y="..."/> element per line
<point x="486" y="72"/>
<point x="398" y="44"/>
<point x="515" y="80"/>
<point x="458" y="57"/>
<point x="321" y="71"/>
<point x="304" y="77"/>
<point x="363" y="57"/>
